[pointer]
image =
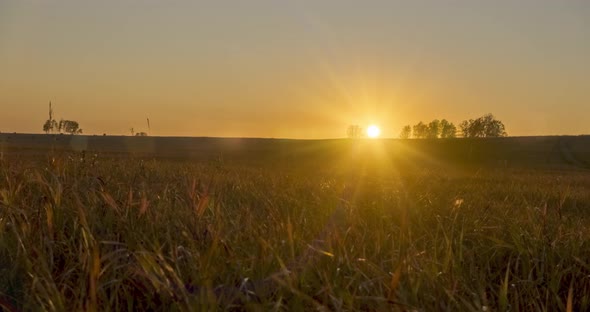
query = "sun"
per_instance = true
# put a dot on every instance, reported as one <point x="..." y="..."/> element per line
<point x="373" y="131"/>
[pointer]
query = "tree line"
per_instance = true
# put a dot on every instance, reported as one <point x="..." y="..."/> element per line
<point x="67" y="126"/>
<point x="73" y="127"/>
<point x="486" y="126"/>
<point x="433" y="130"/>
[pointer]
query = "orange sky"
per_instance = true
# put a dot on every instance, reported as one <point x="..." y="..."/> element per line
<point x="303" y="69"/>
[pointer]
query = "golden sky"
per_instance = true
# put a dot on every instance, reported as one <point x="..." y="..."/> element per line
<point x="294" y="69"/>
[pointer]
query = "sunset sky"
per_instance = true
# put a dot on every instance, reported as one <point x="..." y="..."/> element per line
<point x="294" y="69"/>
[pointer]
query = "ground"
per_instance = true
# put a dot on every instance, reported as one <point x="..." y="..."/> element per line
<point x="147" y="223"/>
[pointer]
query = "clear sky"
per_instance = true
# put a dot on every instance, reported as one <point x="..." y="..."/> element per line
<point x="294" y="69"/>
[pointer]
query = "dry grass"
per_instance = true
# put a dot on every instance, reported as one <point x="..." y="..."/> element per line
<point x="128" y="234"/>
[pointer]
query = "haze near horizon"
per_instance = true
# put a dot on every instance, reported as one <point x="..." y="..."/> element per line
<point x="301" y="69"/>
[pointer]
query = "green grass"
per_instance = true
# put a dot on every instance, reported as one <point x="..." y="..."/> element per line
<point x="125" y="233"/>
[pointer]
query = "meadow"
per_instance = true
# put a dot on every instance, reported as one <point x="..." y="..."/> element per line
<point x="179" y="224"/>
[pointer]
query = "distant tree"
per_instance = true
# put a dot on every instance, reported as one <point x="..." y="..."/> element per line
<point x="47" y="126"/>
<point x="493" y="127"/>
<point x="141" y="134"/>
<point x="132" y="131"/>
<point x="354" y="132"/>
<point x="50" y="124"/>
<point x="69" y="126"/>
<point x="406" y="132"/>
<point x="447" y="129"/>
<point x="420" y="130"/>
<point x="54" y="126"/>
<point x="433" y="130"/>
<point x="465" y="127"/>
<point x="486" y="126"/>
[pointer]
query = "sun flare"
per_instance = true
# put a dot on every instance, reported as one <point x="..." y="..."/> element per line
<point x="373" y="131"/>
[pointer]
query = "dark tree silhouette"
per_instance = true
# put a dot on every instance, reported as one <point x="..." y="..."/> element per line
<point x="486" y="126"/>
<point x="354" y="132"/>
<point x="47" y="126"/>
<point x="69" y="126"/>
<point x="406" y="132"/>
<point x="447" y="129"/>
<point x="50" y="124"/>
<point x="433" y="130"/>
<point x="420" y="130"/>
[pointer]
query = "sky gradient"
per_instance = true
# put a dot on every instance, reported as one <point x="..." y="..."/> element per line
<point x="294" y="69"/>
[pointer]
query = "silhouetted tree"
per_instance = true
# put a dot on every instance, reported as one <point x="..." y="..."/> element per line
<point x="69" y="126"/>
<point x="141" y="134"/>
<point x="420" y="130"/>
<point x="466" y="128"/>
<point x="493" y="127"/>
<point x="406" y="132"/>
<point x="483" y="127"/>
<point x="433" y="130"/>
<point x="447" y="129"/>
<point x="50" y="124"/>
<point x="354" y="132"/>
<point x="47" y="126"/>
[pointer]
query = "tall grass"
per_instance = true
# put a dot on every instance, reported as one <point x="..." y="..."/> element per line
<point x="93" y="233"/>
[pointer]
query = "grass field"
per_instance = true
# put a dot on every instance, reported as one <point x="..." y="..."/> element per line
<point x="181" y="224"/>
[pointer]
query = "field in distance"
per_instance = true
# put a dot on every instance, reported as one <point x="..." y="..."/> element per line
<point x="533" y="152"/>
<point x="152" y="223"/>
